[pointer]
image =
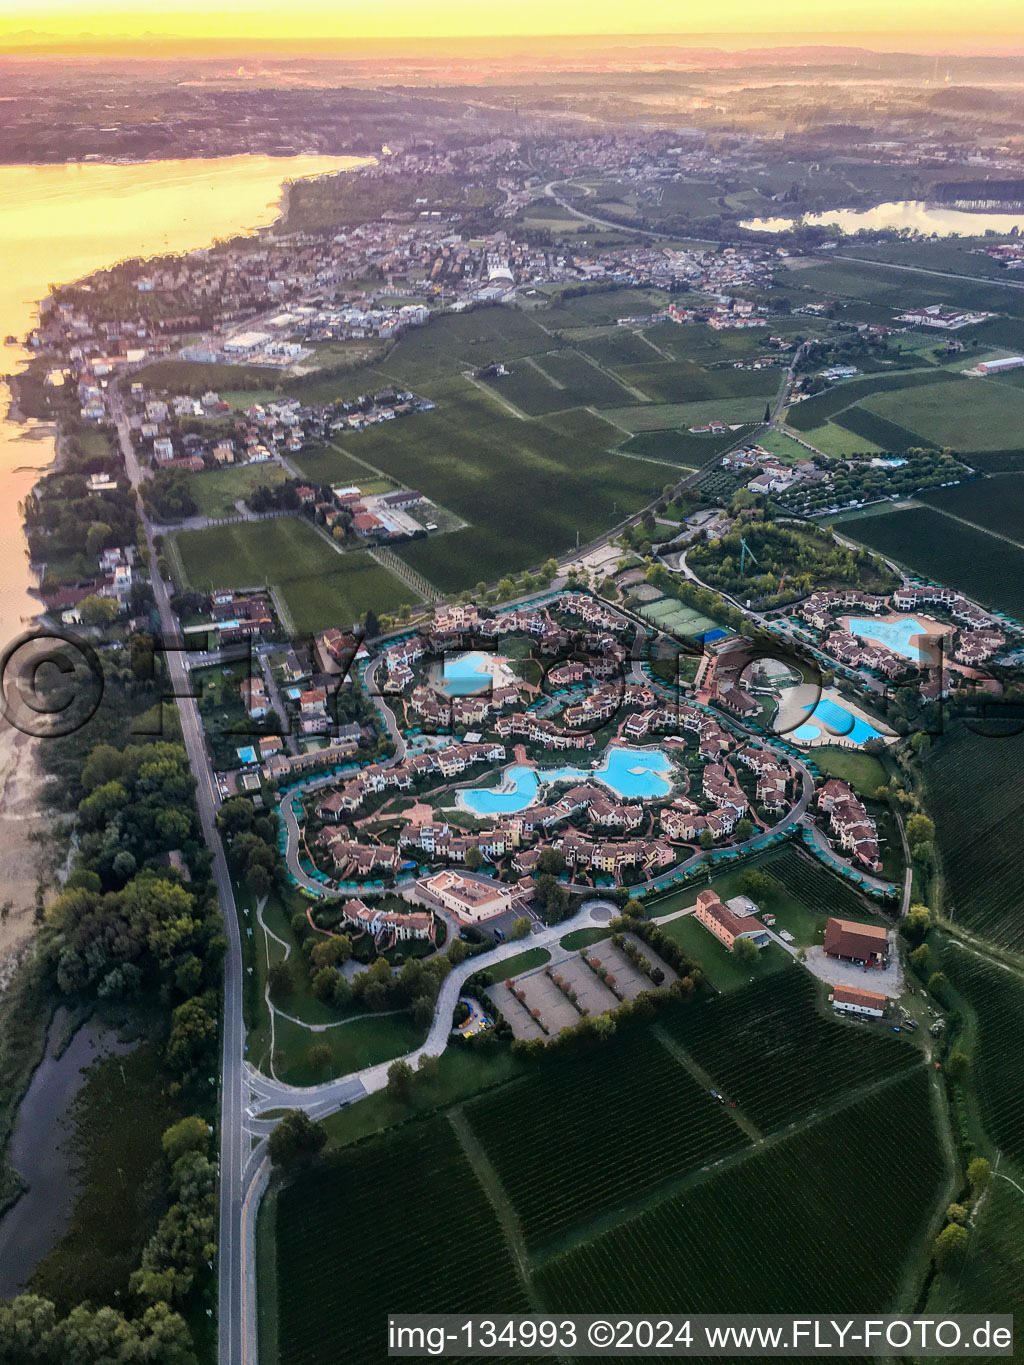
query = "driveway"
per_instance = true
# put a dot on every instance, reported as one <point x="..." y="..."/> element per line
<point x="886" y="981"/>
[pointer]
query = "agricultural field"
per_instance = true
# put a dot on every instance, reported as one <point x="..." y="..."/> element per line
<point x="933" y="545"/>
<point x="970" y="414"/>
<point x="992" y="1279"/>
<point x="683" y="381"/>
<point x="334" y="464"/>
<point x="584" y="383"/>
<point x="980" y="881"/>
<point x="679" y="447"/>
<point x="400" y="1205"/>
<point x="832" y="440"/>
<point x="318" y="586"/>
<point x="997" y="504"/>
<point x="783" y="447"/>
<point x="767" y="1048"/>
<point x="644" y="1091"/>
<point x="897" y="289"/>
<point x="217" y="491"/>
<point x="788" y="1254"/>
<point x="812" y="412"/>
<point x="664" y="416"/>
<point x="995" y="995"/>
<point x="878" y="432"/>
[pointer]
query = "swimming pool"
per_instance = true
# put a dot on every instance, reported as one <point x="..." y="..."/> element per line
<point x="247" y="755"/>
<point x="828" y="719"/>
<point x="895" y="635"/>
<point x="630" y="773"/>
<point x="464" y="674"/>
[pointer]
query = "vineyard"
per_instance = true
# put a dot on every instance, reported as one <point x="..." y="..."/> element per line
<point x="956" y="555"/>
<point x="813" y="411"/>
<point x="996" y="504"/>
<point x="579" y="1138"/>
<point x="997" y="998"/>
<point x="813" y="886"/>
<point x="981" y="884"/>
<point x="767" y="1048"/>
<point x="372" y="1229"/>
<point x="879" y="430"/>
<point x="827" y="1216"/>
<point x="992" y="1281"/>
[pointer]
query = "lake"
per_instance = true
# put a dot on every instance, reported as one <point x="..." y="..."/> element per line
<point x="60" y="222"/>
<point x="899" y="213"/>
<point x="39" y="1152"/>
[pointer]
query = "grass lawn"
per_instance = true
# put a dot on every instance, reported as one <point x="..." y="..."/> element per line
<point x="318" y="586"/>
<point x="218" y="490"/>
<point x="783" y="447"/>
<point x="863" y="771"/>
<point x="971" y="415"/>
<point x="832" y="439"/>
<point x="363" y="1042"/>
<point x="520" y="962"/>
<point x="583" y="938"/>
<point x="723" y="969"/>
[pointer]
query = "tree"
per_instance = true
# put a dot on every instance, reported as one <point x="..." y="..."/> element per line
<point x="279" y="980"/>
<point x="921" y="960"/>
<point x="520" y="927"/>
<point x="919" y="829"/>
<point x="633" y="908"/>
<point x="372" y="625"/>
<point x="97" y="538"/>
<point x="743" y="829"/>
<point x="98" y="611"/>
<point x="295" y="1139"/>
<point x="706" y="838"/>
<point x="949" y="1247"/>
<point x="916" y="923"/>
<point x="189" y="1134"/>
<point x="979" y="1173"/>
<point x="746" y="950"/>
<point x="552" y="861"/>
<point x="956" y="1213"/>
<point x="474" y="859"/>
<point x="319" y="1058"/>
<point x="400" y="1081"/>
<point x="330" y="951"/>
<point x="937" y="984"/>
<point x="193" y="1028"/>
<point x="457" y="951"/>
<point x="325" y="983"/>
<point x="958" y="1064"/>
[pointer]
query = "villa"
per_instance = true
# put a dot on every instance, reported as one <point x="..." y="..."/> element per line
<point x="387" y="926"/>
<point x="467" y="899"/>
<point x="727" y="927"/>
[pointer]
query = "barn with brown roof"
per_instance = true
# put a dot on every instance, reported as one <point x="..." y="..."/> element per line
<point x="851" y="941"/>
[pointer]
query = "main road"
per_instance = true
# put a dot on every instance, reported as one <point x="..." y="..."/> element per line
<point x="235" y="1343"/>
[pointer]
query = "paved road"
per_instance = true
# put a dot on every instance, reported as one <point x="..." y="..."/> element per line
<point x="236" y="1345"/>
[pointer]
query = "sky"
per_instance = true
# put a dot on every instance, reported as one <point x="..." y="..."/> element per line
<point x="921" y="23"/>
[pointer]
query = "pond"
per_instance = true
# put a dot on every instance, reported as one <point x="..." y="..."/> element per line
<point x="900" y="213"/>
<point x="39" y="1151"/>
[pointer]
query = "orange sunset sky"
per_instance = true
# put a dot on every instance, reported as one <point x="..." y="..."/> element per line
<point x="921" y="24"/>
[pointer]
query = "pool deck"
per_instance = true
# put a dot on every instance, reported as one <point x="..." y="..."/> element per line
<point x="793" y="713"/>
<point x="919" y="642"/>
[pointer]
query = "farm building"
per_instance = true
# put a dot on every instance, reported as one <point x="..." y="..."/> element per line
<point x="849" y="1000"/>
<point x="727" y="927"/>
<point x="850" y="941"/>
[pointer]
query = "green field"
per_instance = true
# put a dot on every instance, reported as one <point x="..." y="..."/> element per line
<point x="684" y="381"/>
<point x="584" y="380"/>
<point x="956" y="555"/>
<point x="663" y="416"/>
<point x="319" y="587"/>
<point x="771" y="1217"/>
<point x="968" y="415"/>
<point x="996" y="504"/>
<point x="218" y="490"/>
<point x="973" y="773"/>
<point x="724" y="971"/>
<point x="410" y="1207"/>
<point x="767" y="1048"/>
<point x="679" y="447"/>
<point x="812" y="412"/>
<point x="831" y="439"/>
<point x="783" y="447"/>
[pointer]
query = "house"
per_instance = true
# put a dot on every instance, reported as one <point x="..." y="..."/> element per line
<point x="468" y="899"/>
<point x="849" y="941"/>
<point x="850" y="1000"/>
<point x="254" y="697"/>
<point x="719" y="920"/>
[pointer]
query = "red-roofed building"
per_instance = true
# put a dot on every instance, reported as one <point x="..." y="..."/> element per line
<point x="851" y="941"/>
<point x="726" y="926"/>
<point x="850" y="1000"/>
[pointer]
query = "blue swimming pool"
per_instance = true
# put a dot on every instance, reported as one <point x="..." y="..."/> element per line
<point x="247" y="755"/>
<point x="630" y="773"/>
<point x="835" y="720"/>
<point x="463" y="674"/>
<point x="895" y="635"/>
